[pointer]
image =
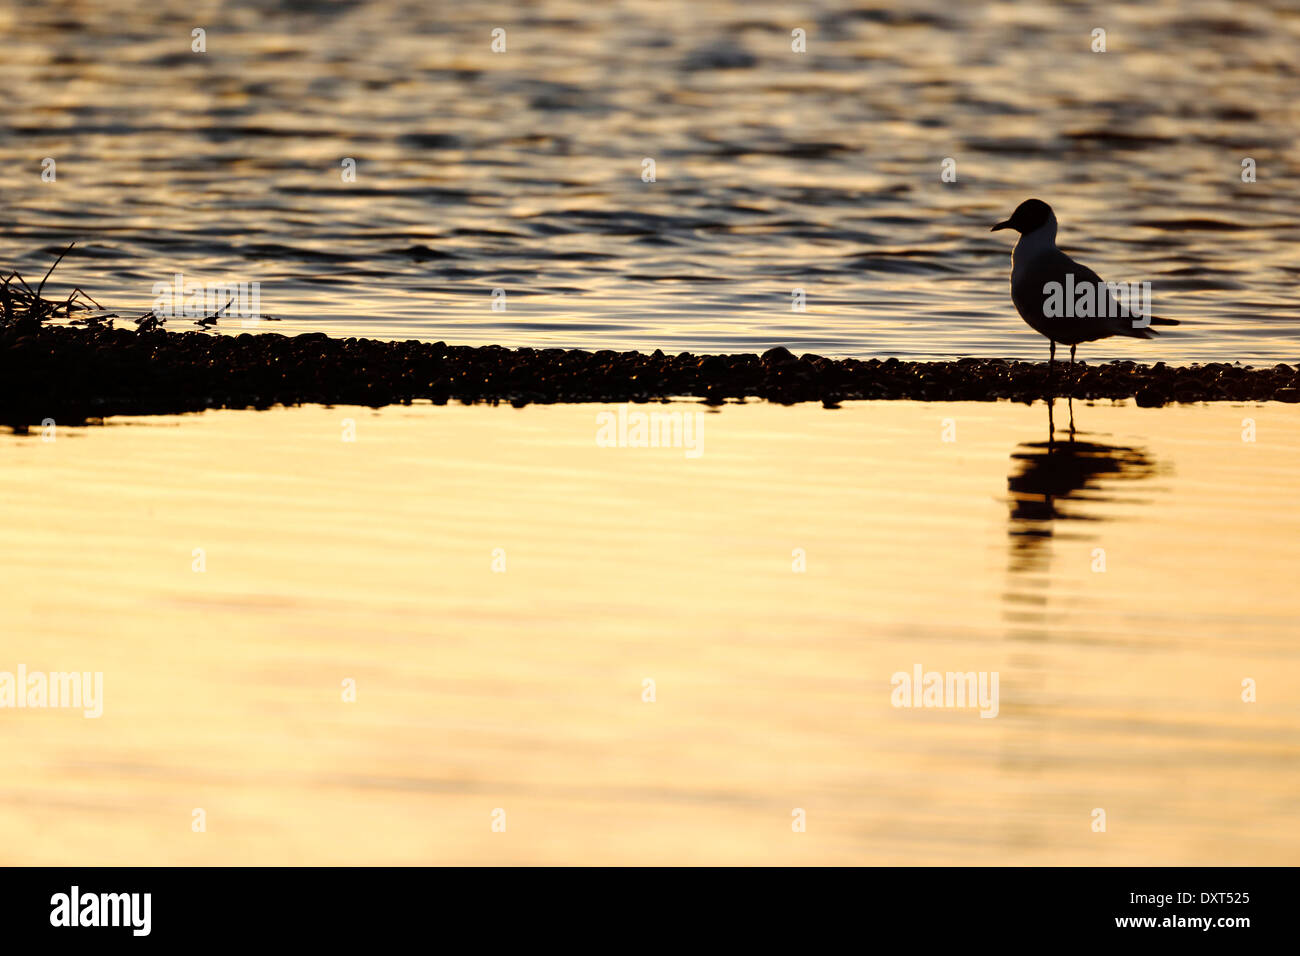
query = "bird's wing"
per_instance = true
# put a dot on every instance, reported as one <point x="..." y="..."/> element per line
<point x="1081" y="272"/>
<point x="1112" y="316"/>
<point x="1029" y="290"/>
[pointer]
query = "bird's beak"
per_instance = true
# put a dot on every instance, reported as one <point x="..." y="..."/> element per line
<point x="1004" y="224"/>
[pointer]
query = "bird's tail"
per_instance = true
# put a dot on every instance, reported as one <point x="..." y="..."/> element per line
<point x="1133" y="333"/>
<point x="1145" y="331"/>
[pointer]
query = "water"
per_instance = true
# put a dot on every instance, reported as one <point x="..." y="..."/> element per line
<point x="522" y="689"/>
<point x="775" y="170"/>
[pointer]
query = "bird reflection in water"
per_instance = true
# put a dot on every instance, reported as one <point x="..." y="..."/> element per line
<point x="1067" y="478"/>
<point x="1062" y="479"/>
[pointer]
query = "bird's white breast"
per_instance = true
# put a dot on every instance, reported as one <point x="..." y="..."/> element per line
<point x="1027" y="259"/>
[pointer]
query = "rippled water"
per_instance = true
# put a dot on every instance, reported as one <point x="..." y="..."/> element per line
<point x="775" y="170"/>
<point x="499" y="587"/>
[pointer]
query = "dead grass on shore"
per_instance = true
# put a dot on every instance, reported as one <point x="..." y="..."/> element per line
<point x="21" y="304"/>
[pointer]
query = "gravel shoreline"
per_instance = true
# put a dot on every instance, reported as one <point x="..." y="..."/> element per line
<point x="73" y="374"/>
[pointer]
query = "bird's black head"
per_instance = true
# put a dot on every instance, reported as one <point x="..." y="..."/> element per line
<point x="1029" y="215"/>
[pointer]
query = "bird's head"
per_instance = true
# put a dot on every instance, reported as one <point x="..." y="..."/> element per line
<point x="1029" y="216"/>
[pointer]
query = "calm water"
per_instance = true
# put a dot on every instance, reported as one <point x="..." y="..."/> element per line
<point x="775" y="170"/>
<point x="514" y="678"/>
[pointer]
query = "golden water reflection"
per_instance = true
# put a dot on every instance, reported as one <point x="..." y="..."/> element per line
<point x="522" y="689"/>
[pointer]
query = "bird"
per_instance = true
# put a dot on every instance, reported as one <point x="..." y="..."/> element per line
<point x="1040" y="270"/>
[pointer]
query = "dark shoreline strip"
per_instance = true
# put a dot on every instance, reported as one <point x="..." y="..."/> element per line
<point x="73" y="374"/>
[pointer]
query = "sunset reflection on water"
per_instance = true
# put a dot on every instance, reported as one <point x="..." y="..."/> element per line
<point x="521" y="688"/>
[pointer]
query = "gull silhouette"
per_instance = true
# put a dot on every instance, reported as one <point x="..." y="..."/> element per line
<point x="1040" y="271"/>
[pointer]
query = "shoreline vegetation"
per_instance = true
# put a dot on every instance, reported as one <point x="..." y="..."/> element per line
<point x="88" y="369"/>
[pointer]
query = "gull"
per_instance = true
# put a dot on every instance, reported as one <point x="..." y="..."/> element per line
<point x="1044" y="280"/>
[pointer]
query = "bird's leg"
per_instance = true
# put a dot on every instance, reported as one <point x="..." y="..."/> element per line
<point x="1072" y="348"/>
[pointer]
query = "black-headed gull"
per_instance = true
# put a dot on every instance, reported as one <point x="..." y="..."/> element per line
<point x="1063" y="300"/>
